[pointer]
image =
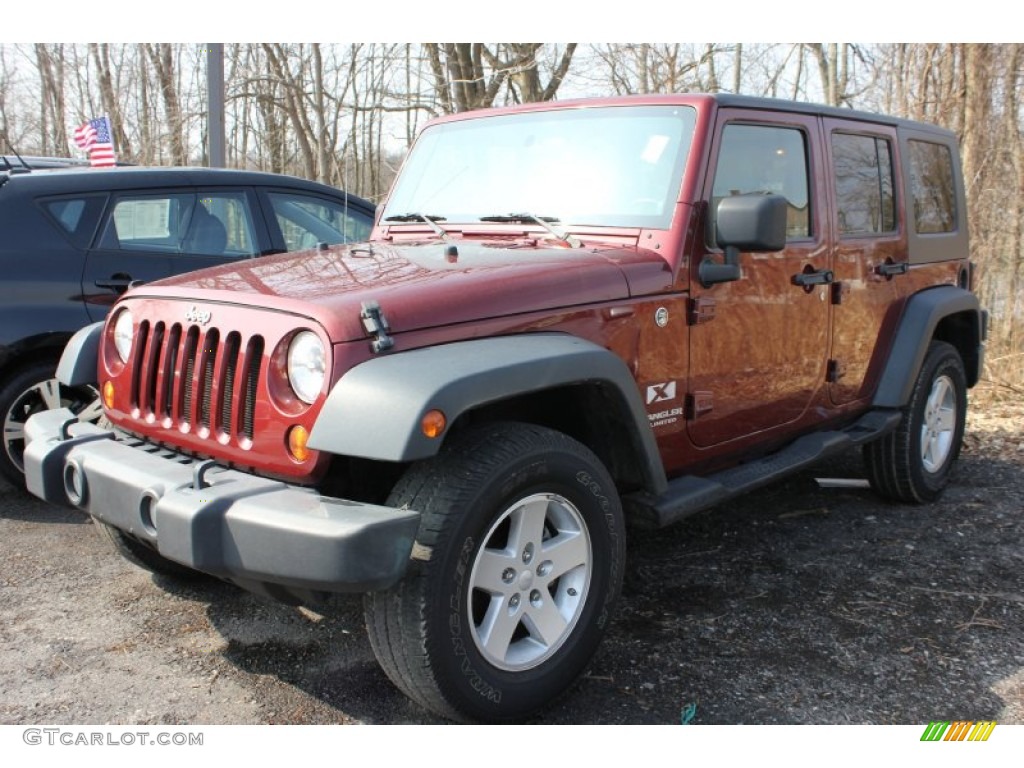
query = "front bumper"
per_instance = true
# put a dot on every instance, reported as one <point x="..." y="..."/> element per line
<point x="262" y="534"/>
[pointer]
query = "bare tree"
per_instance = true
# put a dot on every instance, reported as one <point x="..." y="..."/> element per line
<point x="471" y="75"/>
<point x="161" y="56"/>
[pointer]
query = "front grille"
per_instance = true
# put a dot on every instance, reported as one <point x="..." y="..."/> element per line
<point x="197" y="379"/>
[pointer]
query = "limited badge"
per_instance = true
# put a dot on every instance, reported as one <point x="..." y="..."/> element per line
<point x="661" y="317"/>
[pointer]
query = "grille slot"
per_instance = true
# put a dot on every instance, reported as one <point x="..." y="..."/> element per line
<point x="206" y="383"/>
<point x="227" y="387"/>
<point x="254" y="357"/>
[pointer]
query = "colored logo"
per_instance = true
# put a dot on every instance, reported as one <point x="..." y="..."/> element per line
<point x="958" y="730"/>
<point x="658" y="393"/>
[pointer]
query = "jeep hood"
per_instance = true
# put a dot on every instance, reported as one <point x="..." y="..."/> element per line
<point x="423" y="285"/>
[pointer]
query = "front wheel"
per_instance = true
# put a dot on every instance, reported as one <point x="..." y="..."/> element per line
<point x="914" y="462"/>
<point x="516" y="570"/>
<point x="30" y="390"/>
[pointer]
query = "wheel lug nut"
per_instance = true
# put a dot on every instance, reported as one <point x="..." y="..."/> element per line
<point x="508" y="575"/>
<point x="544" y="568"/>
<point x="535" y="598"/>
<point x="528" y="553"/>
<point x="514" y="601"/>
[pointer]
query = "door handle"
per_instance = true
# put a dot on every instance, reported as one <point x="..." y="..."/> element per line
<point x="118" y="283"/>
<point x="808" y="279"/>
<point x="890" y="268"/>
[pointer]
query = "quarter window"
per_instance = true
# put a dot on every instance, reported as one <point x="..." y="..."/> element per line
<point x="931" y="182"/>
<point x="759" y="159"/>
<point x="76" y="216"/>
<point x="864" y="184"/>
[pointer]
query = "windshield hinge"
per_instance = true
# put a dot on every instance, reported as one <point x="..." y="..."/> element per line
<point x="377" y="325"/>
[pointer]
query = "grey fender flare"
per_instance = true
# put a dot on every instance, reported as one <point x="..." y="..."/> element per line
<point x="375" y="409"/>
<point x="78" y="362"/>
<point x="921" y="317"/>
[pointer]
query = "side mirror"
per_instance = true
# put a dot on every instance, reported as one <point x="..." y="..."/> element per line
<point x="754" y="222"/>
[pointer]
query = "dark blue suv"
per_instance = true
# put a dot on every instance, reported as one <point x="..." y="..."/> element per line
<point x="73" y="239"/>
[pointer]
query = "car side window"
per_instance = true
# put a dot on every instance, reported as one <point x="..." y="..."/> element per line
<point x="933" y="187"/>
<point x="865" y="201"/>
<point x="204" y="224"/>
<point x="221" y="226"/>
<point x="761" y="158"/>
<point x="306" y="221"/>
<point x="75" y="216"/>
<point x="156" y="223"/>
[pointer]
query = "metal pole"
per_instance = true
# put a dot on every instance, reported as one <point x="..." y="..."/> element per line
<point x="215" y="94"/>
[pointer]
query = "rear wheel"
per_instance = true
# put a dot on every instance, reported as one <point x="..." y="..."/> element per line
<point x="517" y="567"/>
<point x="914" y="463"/>
<point x="30" y="390"/>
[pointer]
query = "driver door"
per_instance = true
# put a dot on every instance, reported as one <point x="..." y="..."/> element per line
<point x="758" y="346"/>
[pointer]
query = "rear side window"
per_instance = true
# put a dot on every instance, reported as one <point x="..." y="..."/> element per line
<point x="154" y="223"/>
<point x="75" y="216"/>
<point x="208" y="224"/>
<point x="759" y="158"/>
<point x="932" y="185"/>
<point x="864" y="184"/>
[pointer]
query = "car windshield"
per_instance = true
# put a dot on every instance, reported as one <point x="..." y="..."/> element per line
<point x="608" y="166"/>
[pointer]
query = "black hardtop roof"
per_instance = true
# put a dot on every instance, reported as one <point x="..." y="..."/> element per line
<point x="810" y="108"/>
<point x="752" y="103"/>
<point x="86" y="179"/>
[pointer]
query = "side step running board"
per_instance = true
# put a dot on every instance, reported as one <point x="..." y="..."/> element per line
<point x="689" y="494"/>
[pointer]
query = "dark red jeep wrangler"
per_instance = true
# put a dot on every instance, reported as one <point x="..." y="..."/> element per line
<point x="569" y="317"/>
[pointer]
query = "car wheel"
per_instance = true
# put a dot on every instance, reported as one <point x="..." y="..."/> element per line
<point x="914" y="462"/>
<point x="514" y="575"/>
<point x="30" y="390"/>
<point x="146" y="557"/>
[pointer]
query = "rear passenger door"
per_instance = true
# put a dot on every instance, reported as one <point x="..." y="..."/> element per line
<point x="869" y="248"/>
<point x="146" y="236"/>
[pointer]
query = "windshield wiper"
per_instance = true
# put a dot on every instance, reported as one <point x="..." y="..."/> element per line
<point x="544" y="221"/>
<point x="430" y="219"/>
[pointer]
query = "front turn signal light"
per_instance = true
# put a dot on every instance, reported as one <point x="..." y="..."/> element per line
<point x="433" y="423"/>
<point x="298" y="437"/>
<point x="108" y="394"/>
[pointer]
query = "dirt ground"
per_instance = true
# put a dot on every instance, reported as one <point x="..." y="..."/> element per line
<point x="798" y="604"/>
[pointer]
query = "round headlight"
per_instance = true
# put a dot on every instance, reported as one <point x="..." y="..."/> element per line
<point x="307" y="366"/>
<point x="123" y="333"/>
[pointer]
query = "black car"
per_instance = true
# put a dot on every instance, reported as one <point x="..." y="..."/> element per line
<point x="72" y="240"/>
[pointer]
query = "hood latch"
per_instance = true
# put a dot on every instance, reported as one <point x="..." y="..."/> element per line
<point x="376" y="325"/>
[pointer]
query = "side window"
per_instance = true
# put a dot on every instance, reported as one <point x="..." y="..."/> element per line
<point x="864" y="184"/>
<point x="306" y="221"/>
<point x="221" y="226"/>
<point x="207" y="224"/>
<point x="75" y="216"/>
<point x="931" y="183"/>
<point x="154" y="223"/>
<point x="759" y="158"/>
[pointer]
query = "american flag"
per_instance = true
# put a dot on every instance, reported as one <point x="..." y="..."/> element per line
<point x="95" y="138"/>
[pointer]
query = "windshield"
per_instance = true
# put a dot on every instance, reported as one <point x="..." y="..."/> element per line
<point x="607" y="166"/>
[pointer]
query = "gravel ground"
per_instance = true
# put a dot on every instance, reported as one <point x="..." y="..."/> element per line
<point x="798" y="604"/>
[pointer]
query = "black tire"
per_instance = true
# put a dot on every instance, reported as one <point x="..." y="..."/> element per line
<point x="29" y="390"/>
<point x="480" y="574"/>
<point x="145" y="556"/>
<point x="913" y="463"/>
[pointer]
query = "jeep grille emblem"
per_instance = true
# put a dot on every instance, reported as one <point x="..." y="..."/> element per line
<point x="196" y="315"/>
